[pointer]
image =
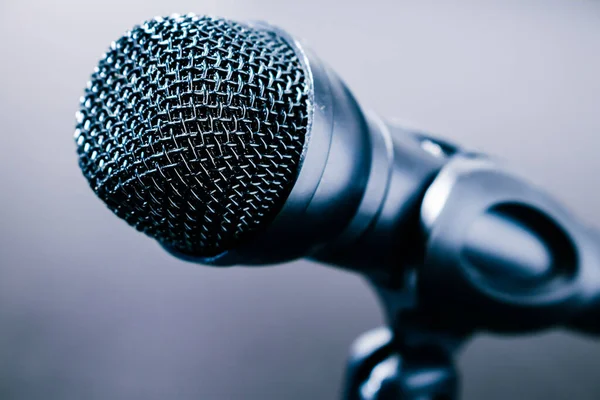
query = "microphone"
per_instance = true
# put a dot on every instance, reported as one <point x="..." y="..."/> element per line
<point x="231" y="143"/>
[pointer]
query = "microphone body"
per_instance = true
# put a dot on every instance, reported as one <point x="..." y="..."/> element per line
<point x="450" y="239"/>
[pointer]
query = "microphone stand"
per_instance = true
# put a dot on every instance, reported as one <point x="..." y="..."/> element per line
<point x="406" y="360"/>
<point x="383" y="367"/>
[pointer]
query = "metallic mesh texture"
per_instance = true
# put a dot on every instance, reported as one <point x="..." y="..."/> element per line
<point x="192" y="128"/>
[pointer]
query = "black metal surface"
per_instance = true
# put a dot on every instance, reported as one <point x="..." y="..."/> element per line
<point x="192" y="129"/>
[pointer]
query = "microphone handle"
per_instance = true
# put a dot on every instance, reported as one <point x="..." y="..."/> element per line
<point x="462" y="243"/>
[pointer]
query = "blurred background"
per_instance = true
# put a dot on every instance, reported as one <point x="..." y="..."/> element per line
<point x="91" y="309"/>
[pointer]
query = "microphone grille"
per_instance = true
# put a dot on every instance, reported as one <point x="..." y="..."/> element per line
<point x="192" y="130"/>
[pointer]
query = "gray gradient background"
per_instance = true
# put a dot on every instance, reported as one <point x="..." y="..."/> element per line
<point x="90" y="309"/>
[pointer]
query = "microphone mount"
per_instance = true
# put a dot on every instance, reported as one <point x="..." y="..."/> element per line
<point x="495" y="254"/>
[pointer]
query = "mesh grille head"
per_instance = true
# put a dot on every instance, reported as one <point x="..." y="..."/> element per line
<point x="192" y="128"/>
